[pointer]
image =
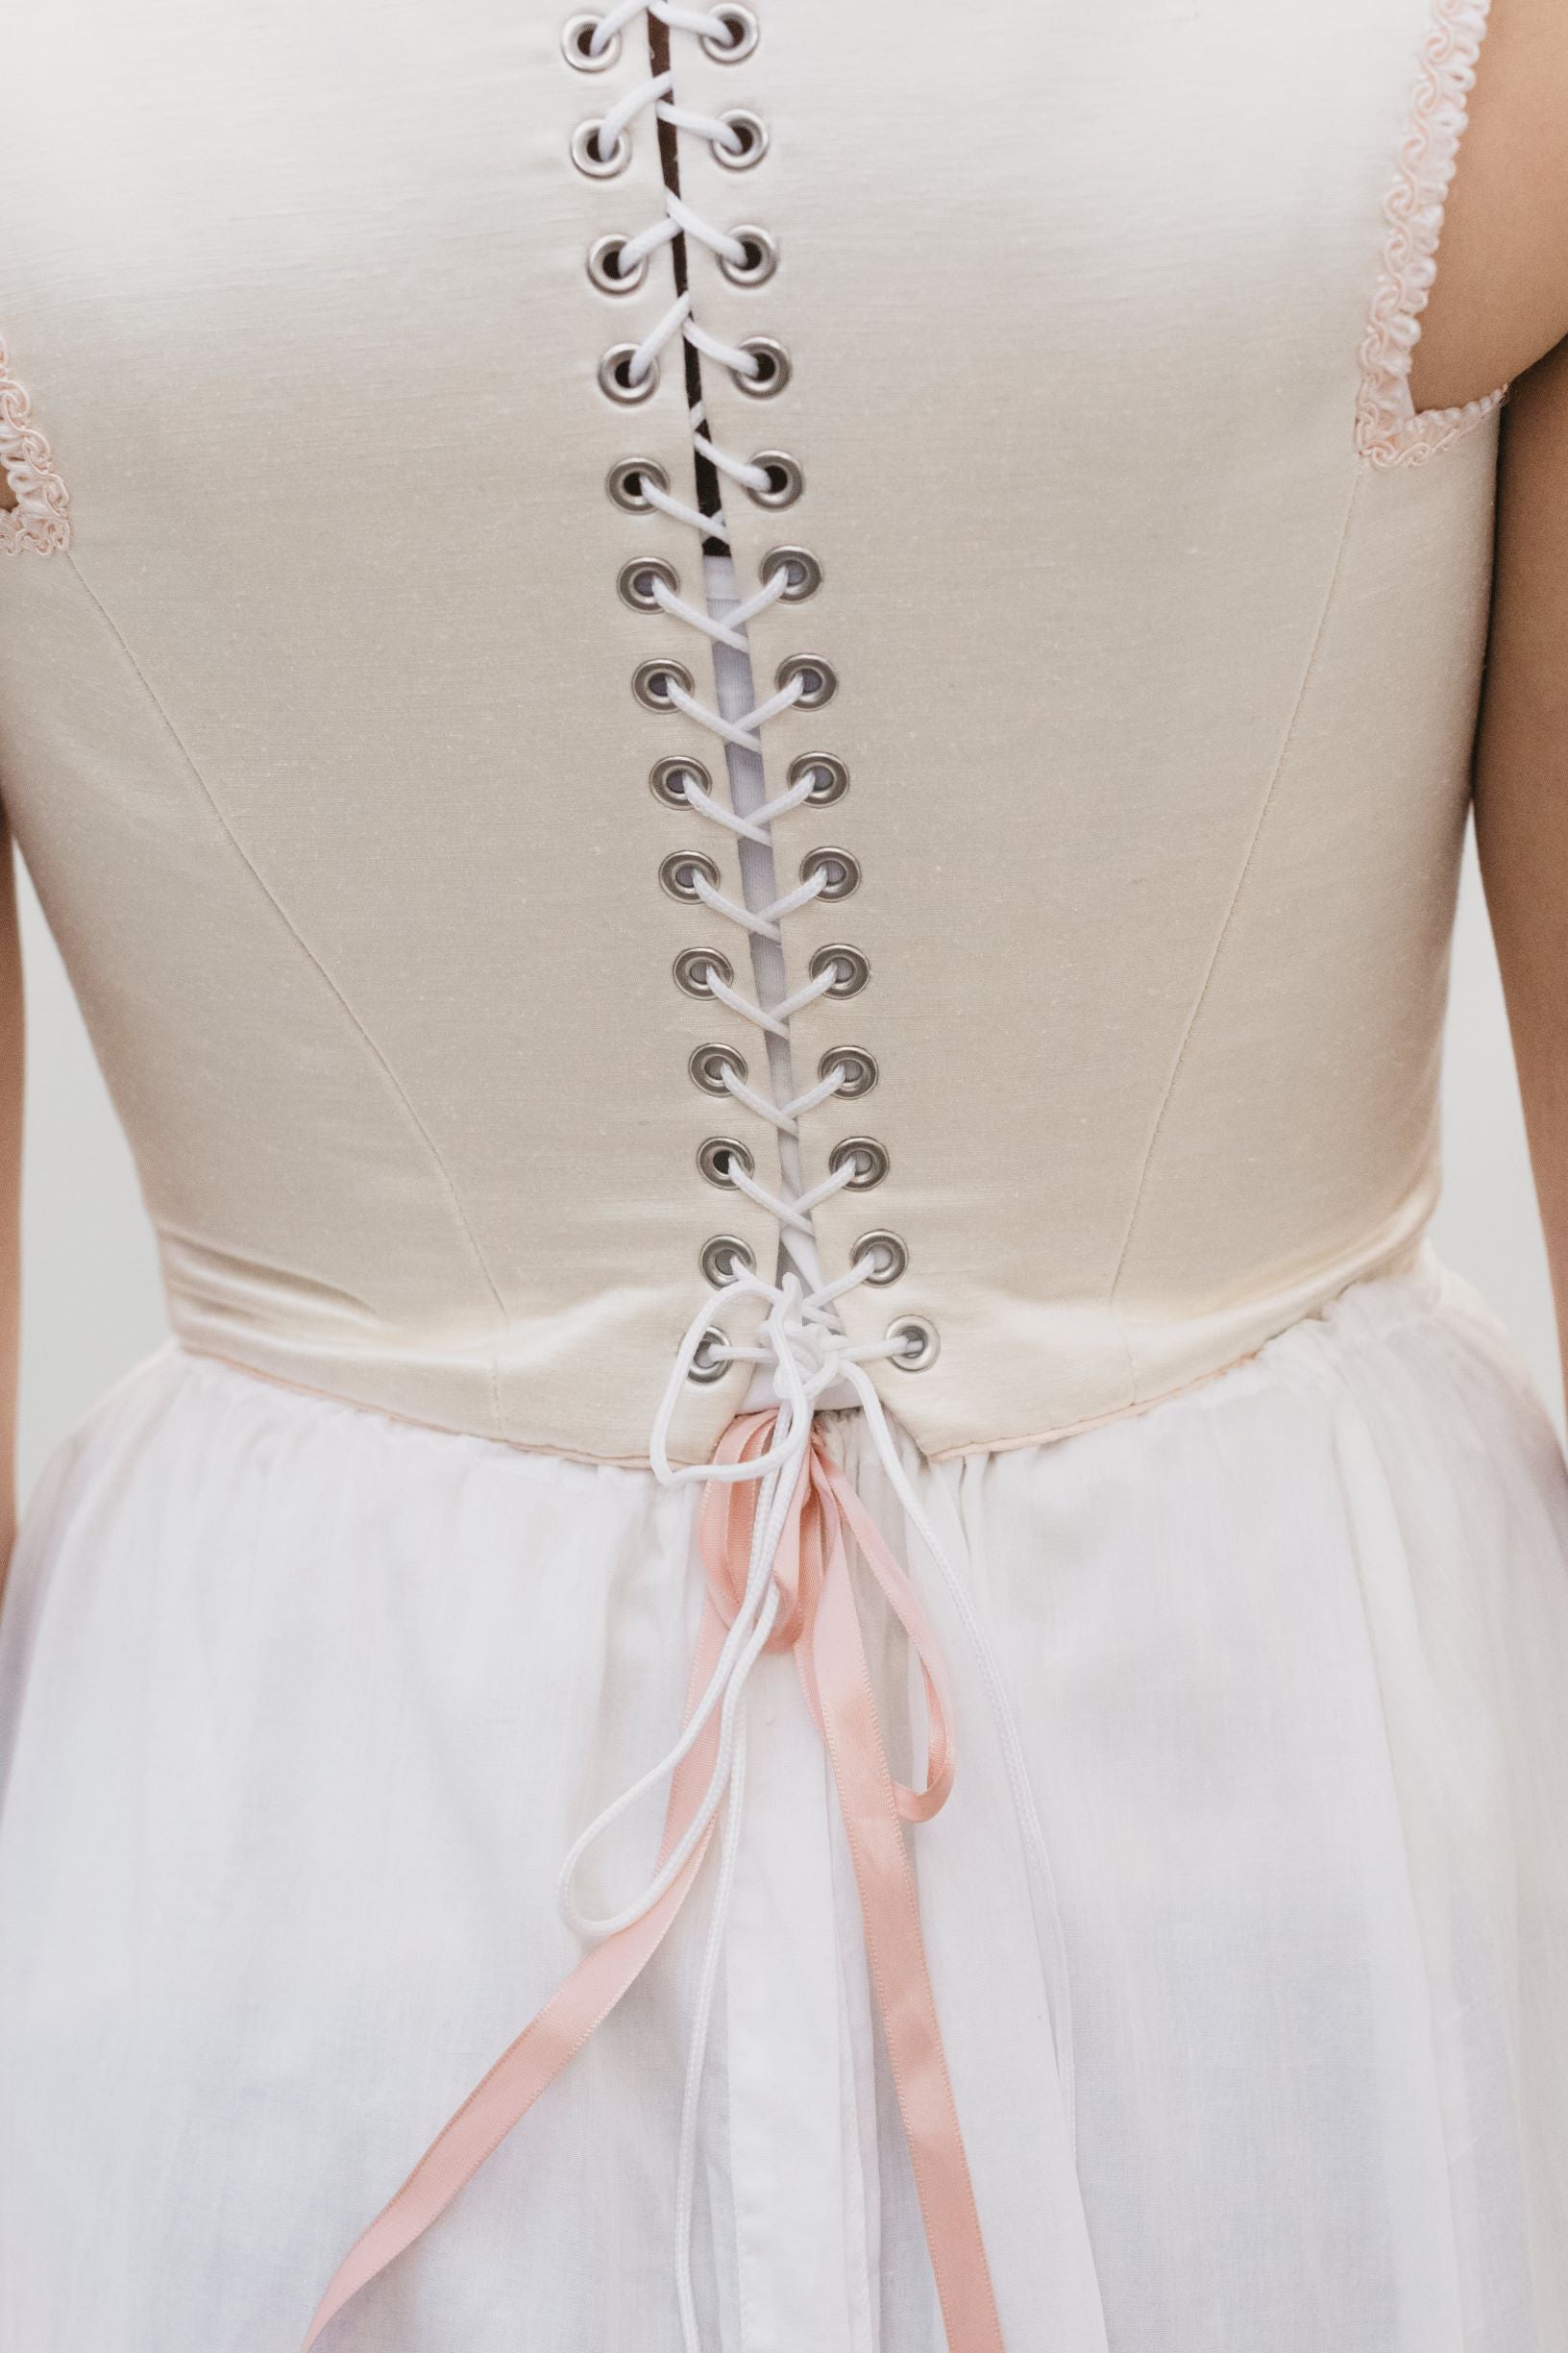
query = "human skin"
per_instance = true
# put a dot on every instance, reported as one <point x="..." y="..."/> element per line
<point x="1499" y="312"/>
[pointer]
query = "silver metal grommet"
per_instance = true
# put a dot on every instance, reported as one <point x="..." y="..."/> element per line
<point x="696" y="968"/>
<point x="676" y="874"/>
<point x="840" y="872"/>
<point x="710" y="1357"/>
<point x="889" y="1253"/>
<point x="605" y="272"/>
<point x="635" y="583"/>
<point x="617" y="381"/>
<point x="850" y="967"/>
<point x="667" y="780"/>
<point x="803" y="573"/>
<point x="627" y="483"/>
<point x="759" y="261"/>
<point x="818" y="679"/>
<point x="785" y="480"/>
<point x="863" y="1154"/>
<point x="853" y="1067"/>
<point x="922" y="1342"/>
<point x="830" y="779"/>
<point x="576" y="45"/>
<point x="770" y="373"/>
<point x="595" y="162"/>
<point x="712" y="1065"/>
<point x="726" y="1258"/>
<point x="741" y="31"/>
<point x="651" y="681"/>
<point x="720" y="1158"/>
<point x="748" y="143"/>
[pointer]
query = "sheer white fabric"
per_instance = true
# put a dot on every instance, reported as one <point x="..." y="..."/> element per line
<point x="305" y="1705"/>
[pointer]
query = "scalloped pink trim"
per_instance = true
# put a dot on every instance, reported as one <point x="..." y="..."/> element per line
<point x="1389" y="431"/>
<point x="40" y="520"/>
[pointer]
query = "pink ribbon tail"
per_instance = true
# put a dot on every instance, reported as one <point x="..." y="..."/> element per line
<point x="818" y="1618"/>
<point x="554" y="2036"/>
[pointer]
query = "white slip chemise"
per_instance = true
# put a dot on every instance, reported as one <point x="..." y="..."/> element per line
<point x="1296" y="1760"/>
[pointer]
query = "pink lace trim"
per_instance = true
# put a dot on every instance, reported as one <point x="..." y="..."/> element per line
<point x="1390" y="429"/>
<point x="41" y="519"/>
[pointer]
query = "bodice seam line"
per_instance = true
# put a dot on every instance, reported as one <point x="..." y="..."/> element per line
<point x="1211" y="965"/>
<point x="354" y="1019"/>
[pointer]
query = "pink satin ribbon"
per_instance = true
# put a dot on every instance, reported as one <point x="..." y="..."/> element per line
<point x="819" y="1621"/>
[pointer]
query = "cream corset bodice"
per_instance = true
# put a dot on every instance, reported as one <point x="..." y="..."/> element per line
<point x="342" y="637"/>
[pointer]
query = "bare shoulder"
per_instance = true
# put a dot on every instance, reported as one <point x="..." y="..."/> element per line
<point x="1500" y="300"/>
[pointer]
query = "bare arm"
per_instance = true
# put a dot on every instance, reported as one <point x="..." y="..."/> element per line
<point x="1501" y="301"/>
<point x="1522" y="788"/>
<point x="1499" y="312"/>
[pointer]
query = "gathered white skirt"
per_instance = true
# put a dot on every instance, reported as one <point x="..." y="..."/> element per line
<point x="1263" y="2047"/>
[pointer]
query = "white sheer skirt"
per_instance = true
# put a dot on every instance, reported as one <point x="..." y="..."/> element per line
<point x="301" y="1709"/>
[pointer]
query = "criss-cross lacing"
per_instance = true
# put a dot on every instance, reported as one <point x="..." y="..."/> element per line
<point x="792" y="1214"/>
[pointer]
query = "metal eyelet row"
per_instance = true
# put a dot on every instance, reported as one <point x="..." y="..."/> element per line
<point x="612" y="274"/>
<point x="745" y="144"/>
<point x="713" y="1067"/>
<point x="803" y="573"/>
<point x="668" y="778"/>
<point x="770" y="371"/>
<point x="578" y="32"/>
<point x="748" y="144"/>
<point x="657" y="683"/>
<point x="645" y="584"/>
<point x="696" y="968"/>
<point x="627" y="479"/>
<point x="920" y="1346"/>
<point x="676" y="875"/>
<point x="863" y="1160"/>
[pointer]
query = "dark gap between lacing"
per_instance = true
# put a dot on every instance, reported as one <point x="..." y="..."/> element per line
<point x="709" y="495"/>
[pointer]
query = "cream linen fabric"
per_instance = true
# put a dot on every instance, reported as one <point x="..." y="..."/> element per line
<point x="1156" y="695"/>
<point x="303" y="1707"/>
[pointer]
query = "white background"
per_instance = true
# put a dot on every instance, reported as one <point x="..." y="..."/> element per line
<point x="91" y="1303"/>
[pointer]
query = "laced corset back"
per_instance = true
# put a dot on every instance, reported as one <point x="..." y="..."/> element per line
<point x="742" y="676"/>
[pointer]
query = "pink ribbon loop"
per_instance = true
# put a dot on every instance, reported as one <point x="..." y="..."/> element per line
<point x="818" y="1620"/>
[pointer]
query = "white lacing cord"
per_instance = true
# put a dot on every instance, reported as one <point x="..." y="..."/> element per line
<point x="731" y="631"/>
<point x="697" y="2055"/>
<point x="809" y="1353"/>
<point x="667" y="11"/>
<point x="808" y="1356"/>
<point x="801" y="1340"/>
<point x="742" y="470"/>
<point x="680" y="219"/>
<point x="758" y="826"/>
